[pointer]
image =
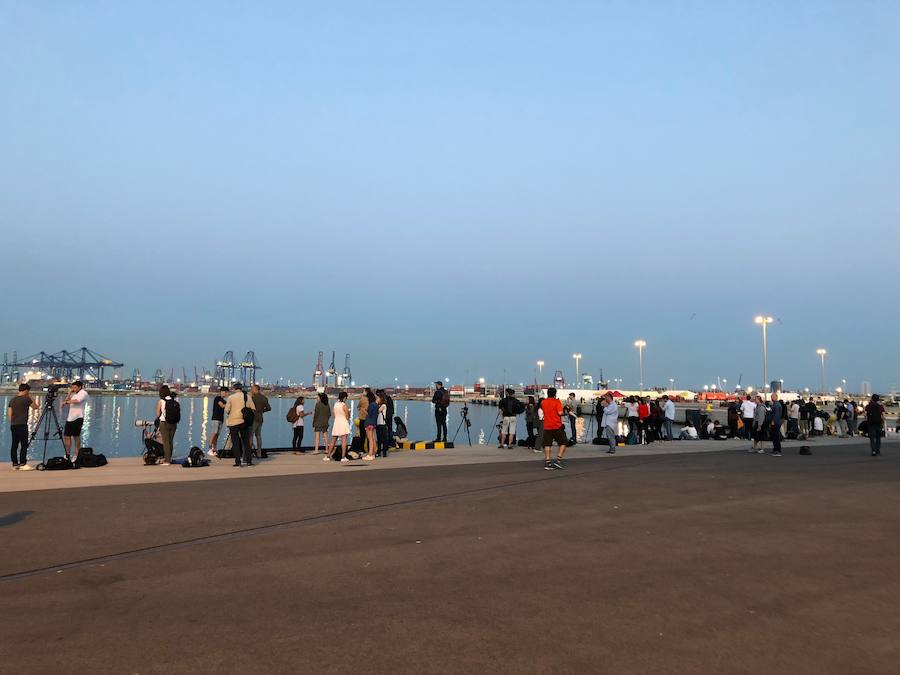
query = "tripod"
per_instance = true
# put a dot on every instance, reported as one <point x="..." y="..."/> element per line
<point x="593" y="418"/>
<point x="48" y="415"/>
<point x="464" y="413"/>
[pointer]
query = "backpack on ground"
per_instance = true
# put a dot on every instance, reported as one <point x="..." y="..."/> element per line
<point x="195" y="458"/>
<point x="57" y="464"/>
<point x="292" y="415"/>
<point x="173" y="411"/>
<point x="86" y="458"/>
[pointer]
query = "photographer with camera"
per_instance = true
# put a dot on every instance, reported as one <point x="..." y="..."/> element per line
<point x="17" y="413"/>
<point x="441" y="402"/>
<point x="76" y="400"/>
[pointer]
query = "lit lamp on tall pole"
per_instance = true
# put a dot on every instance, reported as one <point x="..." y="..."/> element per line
<point x="821" y="351"/>
<point x="577" y="358"/>
<point x="640" y="344"/>
<point x="765" y="321"/>
<point x="540" y="365"/>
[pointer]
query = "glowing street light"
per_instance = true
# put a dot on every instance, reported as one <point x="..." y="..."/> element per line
<point x="671" y="384"/>
<point x="765" y="321"/>
<point x="640" y="344"/>
<point x="577" y="358"/>
<point x="821" y="351"/>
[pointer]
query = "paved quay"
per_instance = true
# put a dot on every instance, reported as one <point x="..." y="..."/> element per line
<point x="681" y="562"/>
<point x="131" y="470"/>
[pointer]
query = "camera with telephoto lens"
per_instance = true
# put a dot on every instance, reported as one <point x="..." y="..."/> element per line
<point x="143" y="424"/>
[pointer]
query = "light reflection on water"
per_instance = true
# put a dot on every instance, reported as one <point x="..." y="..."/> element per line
<point x="109" y="423"/>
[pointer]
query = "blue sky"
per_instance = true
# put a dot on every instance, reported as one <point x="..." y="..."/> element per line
<point x="455" y="189"/>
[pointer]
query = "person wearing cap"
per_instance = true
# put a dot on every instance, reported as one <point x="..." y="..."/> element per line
<point x="441" y="401"/>
<point x="875" y="424"/>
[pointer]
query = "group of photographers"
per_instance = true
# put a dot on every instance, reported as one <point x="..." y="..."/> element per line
<point x="20" y="407"/>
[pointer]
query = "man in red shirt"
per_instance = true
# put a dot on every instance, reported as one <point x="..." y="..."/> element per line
<point x="552" y="410"/>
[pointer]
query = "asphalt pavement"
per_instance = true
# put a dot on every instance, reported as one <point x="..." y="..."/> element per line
<point x="681" y="563"/>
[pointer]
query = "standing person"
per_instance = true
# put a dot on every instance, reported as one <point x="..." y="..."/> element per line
<point x="321" y="415"/>
<point x="875" y="424"/>
<point x="389" y="415"/>
<point x="634" y="422"/>
<point x="552" y="408"/>
<point x="371" y="423"/>
<point x="759" y="425"/>
<point x="803" y="417"/>
<point x="441" y="402"/>
<point x="748" y="415"/>
<point x="840" y="419"/>
<point x="218" y="418"/>
<point x="811" y="414"/>
<point x="571" y="413"/>
<point x="794" y="419"/>
<point x="168" y="411"/>
<point x="340" y="428"/>
<point x="381" y="428"/>
<point x="643" y="417"/>
<point x="261" y="405"/>
<point x="76" y="400"/>
<point x="734" y="415"/>
<point x="776" y="417"/>
<point x="17" y="414"/>
<point x="852" y="416"/>
<point x="609" y="421"/>
<point x="300" y="410"/>
<point x="508" y="405"/>
<point x="668" y="417"/>
<point x="531" y="418"/>
<point x="239" y="425"/>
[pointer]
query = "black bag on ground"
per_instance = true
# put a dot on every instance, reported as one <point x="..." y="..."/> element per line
<point x="173" y="411"/>
<point x="87" y="459"/>
<point x="195" y="458"/>
<point x="58" y="464"/>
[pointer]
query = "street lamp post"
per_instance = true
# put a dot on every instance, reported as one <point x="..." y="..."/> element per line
<point x="540" y="365"/>
<point x="640" y="344"/>
<point x="577" y="358"/>
<point x="765" y="321"/>
<point x="821" y="351"/>
<point x="671" y="384"/>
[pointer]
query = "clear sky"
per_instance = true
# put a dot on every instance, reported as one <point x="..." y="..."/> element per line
<point x="455" y="189"/>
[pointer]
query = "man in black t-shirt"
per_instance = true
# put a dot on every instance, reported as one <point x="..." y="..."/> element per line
<point x="217" y="418"/>
<point x="17" y="413"/>
<point x="441" y="401"/>
<point x="875" y="424"/>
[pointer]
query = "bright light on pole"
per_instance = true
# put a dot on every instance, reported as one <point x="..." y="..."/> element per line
<point x="540" y="365"/>
<point x="577" y="358"/>
<point x="765" y="321"/>
<point x="821" y="351"/>
<point x="640" y="344"/>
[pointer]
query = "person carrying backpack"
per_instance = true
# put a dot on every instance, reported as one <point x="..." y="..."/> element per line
<point x="875" y="424"/>
<point x="441" y="402"/>
<point x="239" y="416"/>
<point x="168" y="411"/>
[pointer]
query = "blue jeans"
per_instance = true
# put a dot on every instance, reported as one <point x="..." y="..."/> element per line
<point x="667" y="428"/>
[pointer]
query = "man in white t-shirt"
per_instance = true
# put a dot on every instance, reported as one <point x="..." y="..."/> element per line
<point x="76" y="401"/>
<point x="748" y="409"/>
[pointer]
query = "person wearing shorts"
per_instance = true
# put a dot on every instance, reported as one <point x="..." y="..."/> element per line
<point x="75" y="419"/>
<point x="552" y="408"/>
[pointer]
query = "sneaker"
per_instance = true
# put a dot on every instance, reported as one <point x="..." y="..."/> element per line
<point x="25" y="467"/>
<point x="213" y="453"/>
<point x="344" y="460"/>
<point x="237" y="466"/>
<point x="558" y="464"/>
<point x="535" y="450"/>
<point x="164" y="463"/>
<point x="610" y="452"/>
<point x="368" y="458"/>
<point x="776" y="454"/>
<point x="326" y="458"/>
<point x="760" y="452"/>
<point x="548" y="466"/>
<point x="16" y="466"/>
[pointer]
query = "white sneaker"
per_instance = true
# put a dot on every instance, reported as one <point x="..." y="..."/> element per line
<point x="326" y="458"/>
<point x="213" y="453"/>
<point x="164" y="463"/>
<point x="25" y="467"/>
<point x="368" y="458"/>
<point x="344" y="460"/>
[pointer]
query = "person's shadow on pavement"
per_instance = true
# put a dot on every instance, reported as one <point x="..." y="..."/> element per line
<point x="14" y="517"/>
